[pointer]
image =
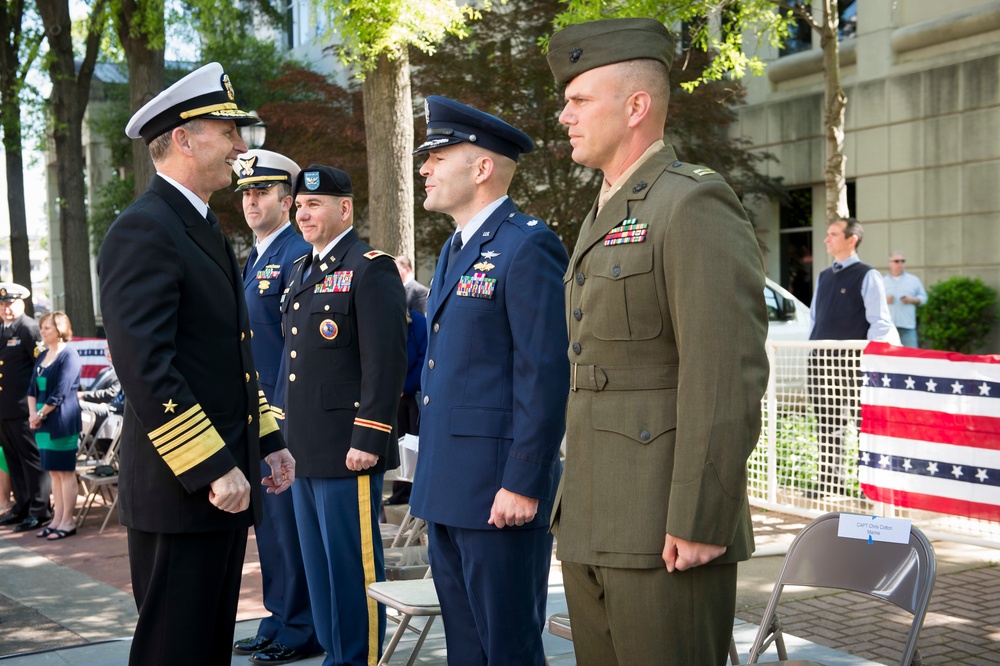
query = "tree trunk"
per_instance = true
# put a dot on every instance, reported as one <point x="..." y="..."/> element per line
<point x="389" y="131"/>
<point x="11" y="80"/>
<point x="146" y="76"/>
<point x="70" y="94"/>
<point x="835" y="104"/>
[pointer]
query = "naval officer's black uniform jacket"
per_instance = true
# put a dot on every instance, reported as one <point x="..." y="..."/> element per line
<point x="176" y="319"/>
<point x="345" y="359"/>
<point x="20" y="343"/>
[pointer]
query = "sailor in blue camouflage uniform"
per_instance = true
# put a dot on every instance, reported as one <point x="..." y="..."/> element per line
<point x="196" y="421"/>
<point x="344" y="316"/>
<point x="265" y="179"/>
<point x="495" y="386"/>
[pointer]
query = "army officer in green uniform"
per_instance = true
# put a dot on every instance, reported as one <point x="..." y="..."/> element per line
<point x="666" y="329"/>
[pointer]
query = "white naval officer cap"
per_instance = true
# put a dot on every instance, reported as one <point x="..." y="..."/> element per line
<point x="12" y="291"/>
<point x="263" y="168"/>
<point x="205" y="92"/>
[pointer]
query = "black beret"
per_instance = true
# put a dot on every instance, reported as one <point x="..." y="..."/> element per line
<point x="450" y="122"/>
<point x="585" y="46"/>
<point x="319" y="179"/>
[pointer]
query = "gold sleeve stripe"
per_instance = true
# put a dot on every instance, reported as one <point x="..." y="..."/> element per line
<point x="278" y="414"/>
<point x="186" y="440"/>
<point x="365" y="423"/>
<point x="267" y="422"/>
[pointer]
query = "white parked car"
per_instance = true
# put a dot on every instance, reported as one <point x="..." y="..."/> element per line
<point x="788" y="317"/>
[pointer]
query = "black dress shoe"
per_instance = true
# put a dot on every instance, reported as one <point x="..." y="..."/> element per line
<point x="11" y="518"/>
<point x="32" y="523"/>
<point x="276" y="653"/>
<point x="251" y="645"/>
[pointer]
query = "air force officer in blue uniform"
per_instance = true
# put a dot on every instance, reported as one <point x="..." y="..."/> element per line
<point x="265" y="179"/>
<point x="495" y="385"/>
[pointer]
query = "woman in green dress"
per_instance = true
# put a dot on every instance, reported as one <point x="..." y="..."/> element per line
<point x="55" y="417"/>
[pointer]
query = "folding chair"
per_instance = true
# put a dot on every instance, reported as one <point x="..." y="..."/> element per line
<point x="899" y="573"/>
<point x="85" y="451"/>
<point x="99" y="484"/>
<point x="410" y="598"/>
<point x="411" y="529"/>
<point x="560" y="625"/>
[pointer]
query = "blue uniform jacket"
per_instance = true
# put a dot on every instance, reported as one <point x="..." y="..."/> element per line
<point x="263" y="286"/>
<point x="63" y="384"/>
<point x="496" y="379"/>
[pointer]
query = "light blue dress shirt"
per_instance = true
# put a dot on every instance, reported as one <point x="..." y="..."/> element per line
<point x="904" y="315"/>
<point x="873" y="294"/>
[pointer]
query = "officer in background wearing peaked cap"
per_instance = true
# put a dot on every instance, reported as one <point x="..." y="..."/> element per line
<point x="494" y="392"/>
<point x="666" y="330"/>
<point x="344" y="315"/>
<point x="196" y="421"/>
<point x="265" y="179"/>
<point x="20" y="342"/>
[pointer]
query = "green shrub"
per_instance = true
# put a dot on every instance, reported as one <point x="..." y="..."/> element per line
<point x="958" y="315"/>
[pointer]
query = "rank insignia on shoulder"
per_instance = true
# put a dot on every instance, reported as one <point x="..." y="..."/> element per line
<point x="337" y="283"/>
<point x="476" y="285"/>
<point x="703" y="171"/>
<point x="376" y="253"/>
<point x="483" y="266"/>
<point x="640" y="186"/>
<point x="629" y="231"/>
<point x="328" y="329"/>
<point x="532" y="223"/>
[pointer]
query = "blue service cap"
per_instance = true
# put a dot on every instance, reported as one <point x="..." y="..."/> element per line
<point x="319" y="179"/>
<point x="450" y="122"/>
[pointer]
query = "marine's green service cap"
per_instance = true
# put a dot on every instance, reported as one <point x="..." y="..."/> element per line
<point x="585" y="46"/>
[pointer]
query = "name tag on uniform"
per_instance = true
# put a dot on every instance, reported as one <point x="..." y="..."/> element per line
<point x="629" y="231"/>
<point x="337" y="283"/>
<point x="476" y="285"/>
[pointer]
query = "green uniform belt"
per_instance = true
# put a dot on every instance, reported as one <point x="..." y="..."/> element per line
<point x="622" y="377"/>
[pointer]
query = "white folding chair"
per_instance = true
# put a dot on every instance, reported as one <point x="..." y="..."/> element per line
<point x="898" y="573"/>
<point x="85" y="450"/>
<point x="104" y="485"/>
<point x="410" y="598"/>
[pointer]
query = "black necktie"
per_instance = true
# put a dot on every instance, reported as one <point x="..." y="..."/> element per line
<point x="314" y="269"/>
<point x="213" y="222"/>
<point x="456" y="247"/>
<point x="251" y="260"/>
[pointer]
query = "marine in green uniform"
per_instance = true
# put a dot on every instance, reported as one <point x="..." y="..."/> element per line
<point x="666" y="328"/>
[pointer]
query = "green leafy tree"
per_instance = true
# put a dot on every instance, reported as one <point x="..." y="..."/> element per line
<point x="500" y="68"/>
<point x="958" y="315"/>
<point x="20" y="39"/>
<point x="374" y="38"/>
<point x="68" y="103"/>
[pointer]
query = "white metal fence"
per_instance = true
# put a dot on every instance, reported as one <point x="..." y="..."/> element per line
<point x="806" y="461"/>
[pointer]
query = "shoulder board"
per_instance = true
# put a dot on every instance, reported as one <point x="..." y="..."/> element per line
<point x="301" y="258"/>
<point x="376" y="253"/>
<point x="691" y="170"/>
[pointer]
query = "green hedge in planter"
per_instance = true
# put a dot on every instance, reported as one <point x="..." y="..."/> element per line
<point x="958" y="315"/>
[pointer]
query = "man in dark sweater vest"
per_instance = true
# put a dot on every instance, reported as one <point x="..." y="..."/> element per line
<point x="848" y="304"/>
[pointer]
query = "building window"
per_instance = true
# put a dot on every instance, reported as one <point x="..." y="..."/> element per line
<point x="801" y="34"/>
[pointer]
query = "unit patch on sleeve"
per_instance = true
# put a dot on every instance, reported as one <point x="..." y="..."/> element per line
<point x="337" y="283"/>
<point x="629" y="231"/>
<point x="476" y="285"/>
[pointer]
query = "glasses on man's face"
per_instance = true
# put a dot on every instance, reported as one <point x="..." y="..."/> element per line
<point x="897" y="261"/>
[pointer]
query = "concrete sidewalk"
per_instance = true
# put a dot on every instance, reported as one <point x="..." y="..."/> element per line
<point x="57" y="595"/>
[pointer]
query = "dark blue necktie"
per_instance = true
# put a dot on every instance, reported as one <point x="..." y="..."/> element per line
<point x="251" y="260"/>
<point x="456" y="247"/>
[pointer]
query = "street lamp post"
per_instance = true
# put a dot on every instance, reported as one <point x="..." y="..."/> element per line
<point x="253" y="135"/>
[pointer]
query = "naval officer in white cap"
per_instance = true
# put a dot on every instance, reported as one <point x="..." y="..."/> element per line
<point x="196" y="422"/>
